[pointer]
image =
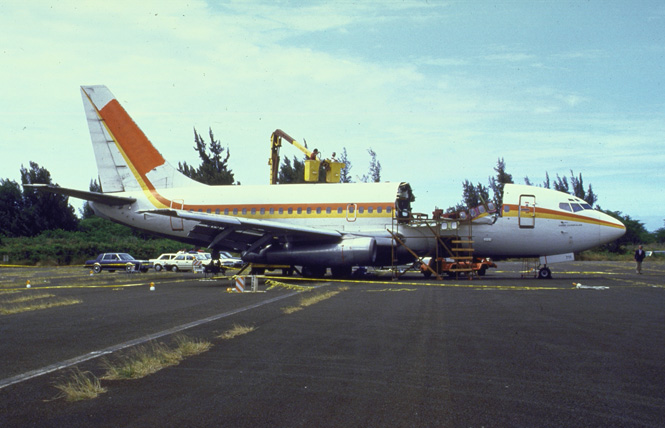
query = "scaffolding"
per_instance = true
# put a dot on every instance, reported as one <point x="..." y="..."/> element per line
<point x="450" y="243"/>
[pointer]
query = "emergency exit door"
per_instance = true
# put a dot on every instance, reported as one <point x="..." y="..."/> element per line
<point x="526" y="213"/>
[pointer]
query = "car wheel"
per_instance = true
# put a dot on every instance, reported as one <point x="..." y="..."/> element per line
<point x="129" y="268"/>
<point x="97" y="268"/>
<point x="174" y="268"/>
<point x="158" y="268"/>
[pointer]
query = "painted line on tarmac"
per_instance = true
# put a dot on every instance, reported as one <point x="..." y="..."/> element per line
<point x="111" y="349"/>
<point x="430" y="284"/>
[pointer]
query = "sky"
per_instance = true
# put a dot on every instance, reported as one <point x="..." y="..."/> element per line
<point x="440" y="90"/>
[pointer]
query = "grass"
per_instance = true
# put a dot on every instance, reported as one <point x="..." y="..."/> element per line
<point x="81" y="386"/>
<point x="33" y="302"/>
<point x="312" y="300"/>
<point x="235" y="331"/>
<point x="146" y="360"/>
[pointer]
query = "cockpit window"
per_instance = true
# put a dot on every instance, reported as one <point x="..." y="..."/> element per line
<point x="576" y="207"/>
<point x="564" y="206"/>
<point x="586" y="206"/>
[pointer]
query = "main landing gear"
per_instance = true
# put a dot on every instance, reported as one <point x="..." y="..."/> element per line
<point x="544" y="273"/>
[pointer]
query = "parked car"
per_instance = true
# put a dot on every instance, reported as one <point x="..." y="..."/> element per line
<point x="186" y="261"/>
<point x="117" y="261"/>
<point x="162" y="261"/>
<point x="227" y="260"/>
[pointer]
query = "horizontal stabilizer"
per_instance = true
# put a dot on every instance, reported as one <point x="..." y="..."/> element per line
<point x="103" y="198"/>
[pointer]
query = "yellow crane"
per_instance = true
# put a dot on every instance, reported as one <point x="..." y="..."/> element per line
<point x="312" y="164"/>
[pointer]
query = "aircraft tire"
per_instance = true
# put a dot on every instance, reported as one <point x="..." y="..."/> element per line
<point x="545" y="273"/>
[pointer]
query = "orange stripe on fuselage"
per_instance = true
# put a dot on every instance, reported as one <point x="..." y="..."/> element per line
<point x="133" y="142"/>
<point x="560" y="215"/>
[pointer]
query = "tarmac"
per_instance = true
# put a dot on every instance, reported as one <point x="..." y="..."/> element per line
<point x="586" y="348"/>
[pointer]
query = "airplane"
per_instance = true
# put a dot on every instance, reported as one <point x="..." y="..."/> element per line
<point x="317" y="225"/>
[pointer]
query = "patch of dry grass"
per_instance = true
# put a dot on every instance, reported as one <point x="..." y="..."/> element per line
<point x="145" y="360"/>
<point x="236" y="330"/>
<point x="33" y="302"/>
<point x="312" y="300"/>
<point x="81" y="386"/>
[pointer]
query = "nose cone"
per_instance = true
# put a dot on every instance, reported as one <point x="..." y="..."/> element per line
<point x="610" y="228"/>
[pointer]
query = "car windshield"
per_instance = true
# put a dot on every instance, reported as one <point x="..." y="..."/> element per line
<point x="125" y="256"/>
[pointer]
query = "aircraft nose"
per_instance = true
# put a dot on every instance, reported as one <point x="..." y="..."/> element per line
<point x="610" y="228"/>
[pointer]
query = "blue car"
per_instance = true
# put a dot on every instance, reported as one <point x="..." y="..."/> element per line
<point x="117" y="261"/>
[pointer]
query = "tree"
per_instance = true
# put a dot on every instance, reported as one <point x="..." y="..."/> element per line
<point x="659" y="235"/>
<point x="11" y="209"/>
<point x="374" y="172"/>
<point x="87" y="211"/>
<point x="291" y="172"/>
<point x="214" y="165"/>
<point x="44" y="211"/>
<point x="473" y="196"/>
<point x="497" y="183"/>
<point x="345" y="173"/>
<point x="635" y="234"/>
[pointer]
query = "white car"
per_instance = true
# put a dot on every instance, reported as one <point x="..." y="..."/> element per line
<point x="227" y="260"/>
<point x="162" y="262"/>
<point x="188" y="261"/>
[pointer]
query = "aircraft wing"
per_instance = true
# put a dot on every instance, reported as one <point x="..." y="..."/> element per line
<point x="103" y="198"/>
<point x="243" y="234"/>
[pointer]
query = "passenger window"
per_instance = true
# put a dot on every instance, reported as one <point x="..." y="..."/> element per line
<point x="208" y="211"/>
<point x="361" y="210"/>
<point x="226" y="211"/>
<point x="253" y="211"/>
<point x="299" y="210"/>
<point x="370" y="210"/>
<point x="576" y="207"/>
<point x="290" y="210"/>
<point x="340" y="210"/>
<point x="244" y="211"/>
<point x="379" y="210"/>
<point x="389" y="209"/>
<point x="328" y="210"/>
<point x="235" y="211"/>
<point x="217" y="211"/>
<point x="564" y="206"/>
<point x="281" y="210"/>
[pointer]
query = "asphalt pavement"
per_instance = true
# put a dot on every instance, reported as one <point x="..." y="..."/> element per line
<point x="585" y="348"/>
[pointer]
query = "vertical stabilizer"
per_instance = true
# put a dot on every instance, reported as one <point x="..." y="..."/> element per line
<point x="126" y="159"/>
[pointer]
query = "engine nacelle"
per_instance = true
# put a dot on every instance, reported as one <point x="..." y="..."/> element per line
<point x="348" y="252"/>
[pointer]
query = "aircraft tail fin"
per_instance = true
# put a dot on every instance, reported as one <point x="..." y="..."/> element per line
<point x="126" y="159"/>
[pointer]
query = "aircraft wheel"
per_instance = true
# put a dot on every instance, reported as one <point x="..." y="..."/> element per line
<point x="97" y="268"/>
<point x="158" y="268"/>
<point x="545" y="273"/>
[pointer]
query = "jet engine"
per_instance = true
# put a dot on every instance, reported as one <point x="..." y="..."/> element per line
<point x="349" y="252"/>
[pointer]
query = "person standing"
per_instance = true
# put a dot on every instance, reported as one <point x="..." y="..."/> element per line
<point x="639" y="256"/>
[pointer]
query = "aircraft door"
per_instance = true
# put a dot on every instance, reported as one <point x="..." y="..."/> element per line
<point x="526" y="213"/>
<point x="351" y="212"/>
<point x="176" y="223"/>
